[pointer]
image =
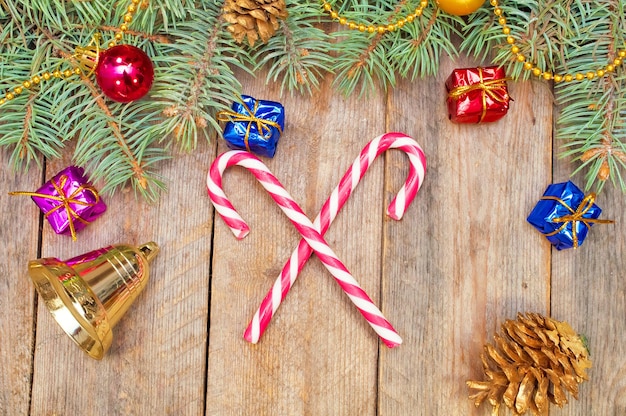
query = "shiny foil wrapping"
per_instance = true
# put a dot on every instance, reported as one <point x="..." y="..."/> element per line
<point x="477" y="95"/>
<point x="254" y="125"/>
<point x="550" y="215"/>
<point x="69" y="202"/>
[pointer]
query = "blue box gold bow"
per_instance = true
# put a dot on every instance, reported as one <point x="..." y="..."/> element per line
<point x="254" y="125"/>
<point x="564" y="215"/>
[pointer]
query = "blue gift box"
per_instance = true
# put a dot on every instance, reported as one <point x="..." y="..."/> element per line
<point x="254" y="125"/>
<point x="564" y="215"/>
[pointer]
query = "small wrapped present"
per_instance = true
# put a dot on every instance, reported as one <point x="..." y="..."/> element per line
<point x="254" y="125"/>
<point x="564" y="215"/>
<point x="68" y="201"/>
<point x="477" y="95"/>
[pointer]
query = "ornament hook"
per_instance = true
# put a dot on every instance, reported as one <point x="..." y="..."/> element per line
<point x="88" y="56"/>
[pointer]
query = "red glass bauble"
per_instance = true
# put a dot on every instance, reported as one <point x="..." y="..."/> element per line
<point x="124" y="73"/>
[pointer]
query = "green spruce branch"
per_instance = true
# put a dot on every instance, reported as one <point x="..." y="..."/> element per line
<point x="299" y="56"/>
<point x="197" y="79"/>
<point x="122" y="144"/>
<point x="196" y="61"/>
<point x="366" y="61"/>
<point x="592" y="118"/>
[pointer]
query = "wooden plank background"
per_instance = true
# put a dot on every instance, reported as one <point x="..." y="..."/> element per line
<point x="461" y="262"/>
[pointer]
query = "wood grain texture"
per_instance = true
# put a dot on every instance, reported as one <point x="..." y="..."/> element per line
<point x="462" y="261"/>
<point x="318" y="355"/>
<point x="19" y="244"/>
<point x="589" y="291"/>
<point x="156" y="364"/>
<point x="453" y="269"/>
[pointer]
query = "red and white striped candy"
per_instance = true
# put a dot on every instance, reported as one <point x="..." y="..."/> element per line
<point x="339" y="196"/>
<point x="313" y="238"/>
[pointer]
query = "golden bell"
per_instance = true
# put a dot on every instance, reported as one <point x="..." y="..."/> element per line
<point x="88" y="294"/>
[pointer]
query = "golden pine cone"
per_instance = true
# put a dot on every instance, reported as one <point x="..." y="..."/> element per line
<point x="254" y="18"/>
<point x="534" y="361"/>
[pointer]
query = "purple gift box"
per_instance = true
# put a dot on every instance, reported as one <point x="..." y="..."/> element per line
<point x="69" y="202"/>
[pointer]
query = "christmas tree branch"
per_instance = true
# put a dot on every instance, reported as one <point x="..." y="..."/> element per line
<point x="361" y="61"/>
<point x="196" y="62"/>
<point x="432" y="36"/>
<point x="574" y="39"/>
<point x="299" y="54"/>
<point x="413" y="49"/>
<point x="138" y="173"/>
<point x="131" y="33"/>
<point x="187" y="116"/>
<point x="22" y="146"/>
<point x="209" y="86"/>
<point x="597" y="143"/>
<point x="26" y="120"/>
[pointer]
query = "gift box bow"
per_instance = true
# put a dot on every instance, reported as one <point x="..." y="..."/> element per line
<point x="66" y="201"/>
<point x="250" y="118"/>
<point x="577" y="215"/>
<point x="492" y="88"/>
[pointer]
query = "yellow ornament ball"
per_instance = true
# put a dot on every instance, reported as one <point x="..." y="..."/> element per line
<point x="460" y="7"/>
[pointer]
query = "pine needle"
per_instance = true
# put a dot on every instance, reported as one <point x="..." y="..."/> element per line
<point x="196" y="61"/>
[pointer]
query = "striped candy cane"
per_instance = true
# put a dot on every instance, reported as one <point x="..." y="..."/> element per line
<point x="333" y="204"/>
<point x="304" y="226"/>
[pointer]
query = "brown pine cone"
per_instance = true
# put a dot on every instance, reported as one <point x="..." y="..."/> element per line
<point x="254" y="19"/>
<point x="534" y="362"/>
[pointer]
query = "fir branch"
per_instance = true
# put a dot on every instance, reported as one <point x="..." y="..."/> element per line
<point x="20" y="134"/>
<point x="57" y="14"/>
<point x="363" y="64"/>
<point x="568" y="37"/>
<point x="431" y="37"/>
<point x="162" y="13"/>
<point x="100" y="137"/>
<point x="365" y="61"/>
<point x="55" y="111"/>
<point x="299" y="55"/>
<point x="197" y="61"/>
<point x="26" y="121"/>
<point x="160" y="38"/>
<point x="591" y="119"/>
<point x="199" y="80"/>
<point x="11" y="22"/>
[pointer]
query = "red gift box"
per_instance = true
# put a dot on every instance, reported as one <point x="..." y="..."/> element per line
<point x="477" y="95"/>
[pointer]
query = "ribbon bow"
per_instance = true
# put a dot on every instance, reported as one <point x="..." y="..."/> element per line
<point x="575" y="216"/>
<point x="261" y="123"/>
<point x="494" y="89"/>
<point x="66" y="201"/>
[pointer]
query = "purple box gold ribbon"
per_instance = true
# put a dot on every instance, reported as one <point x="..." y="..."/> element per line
<point x="69" y="202"/>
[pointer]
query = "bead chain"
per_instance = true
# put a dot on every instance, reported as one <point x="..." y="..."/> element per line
<point x="375" y="28"/>
<point x="515" y="50"/>
<point x="128" y="19"/>
<point x="46" y="76"/>
<point x="547" y="75"/>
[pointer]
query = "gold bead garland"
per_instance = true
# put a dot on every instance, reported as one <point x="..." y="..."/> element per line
<point x="510" y="40"/>
<point x="371" y="28"/>
<point x="548" y="75"/>
<point x="46" y="76"/>
<point x="128" y="19"/>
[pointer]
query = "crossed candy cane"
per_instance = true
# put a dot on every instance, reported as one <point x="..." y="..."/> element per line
<point x="329" y="212"/>
<point x="313" y="241"/>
